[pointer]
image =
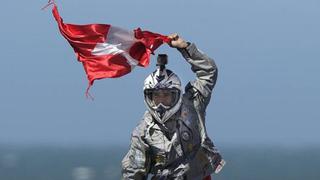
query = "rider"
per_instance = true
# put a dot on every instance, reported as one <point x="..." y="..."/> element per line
<point x="171" y="141"/>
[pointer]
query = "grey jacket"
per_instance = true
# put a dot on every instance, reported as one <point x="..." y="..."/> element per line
<point x="179" y="148"/>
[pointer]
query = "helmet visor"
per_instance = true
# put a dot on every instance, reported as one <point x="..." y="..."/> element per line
<point x="162" y="97"/>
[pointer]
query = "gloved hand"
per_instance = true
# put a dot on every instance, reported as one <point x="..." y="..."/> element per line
<point x="177" y="41"/>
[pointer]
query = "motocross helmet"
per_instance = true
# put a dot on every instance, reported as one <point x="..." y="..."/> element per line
<point x="162" y="91"/>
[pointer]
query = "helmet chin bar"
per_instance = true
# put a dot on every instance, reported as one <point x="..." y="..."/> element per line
<point x="161" y="111"/>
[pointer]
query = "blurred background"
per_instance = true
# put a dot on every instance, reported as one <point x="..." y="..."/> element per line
<point x="264" y="114"/>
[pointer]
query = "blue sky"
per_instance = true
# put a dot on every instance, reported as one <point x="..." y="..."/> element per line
<point x="267" y="52"/>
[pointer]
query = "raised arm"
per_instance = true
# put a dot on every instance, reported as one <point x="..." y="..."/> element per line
<point x="203" y="66"/>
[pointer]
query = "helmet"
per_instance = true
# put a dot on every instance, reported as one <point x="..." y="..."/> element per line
<point x="162" y="92"/>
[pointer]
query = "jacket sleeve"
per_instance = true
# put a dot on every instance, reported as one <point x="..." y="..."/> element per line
<point x="136" y="163"/>
<point x="206" y="74"/>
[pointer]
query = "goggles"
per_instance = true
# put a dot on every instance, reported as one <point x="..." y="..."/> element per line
<point x="165" y="97"/>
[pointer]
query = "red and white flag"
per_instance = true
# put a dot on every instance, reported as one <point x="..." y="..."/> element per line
<point x="107" y="51"/>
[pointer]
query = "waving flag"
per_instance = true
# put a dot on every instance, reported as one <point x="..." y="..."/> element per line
<point x="107" y="51"/>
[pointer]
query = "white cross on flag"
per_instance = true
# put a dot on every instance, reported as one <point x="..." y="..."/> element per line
<point x="107" y="51"/>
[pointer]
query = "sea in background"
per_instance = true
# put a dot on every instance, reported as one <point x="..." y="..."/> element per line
<point x="40" y="162"/>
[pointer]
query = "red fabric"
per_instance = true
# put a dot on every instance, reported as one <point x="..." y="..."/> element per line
<point x="84" y="38"/>
<point x="207" y="178"/>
